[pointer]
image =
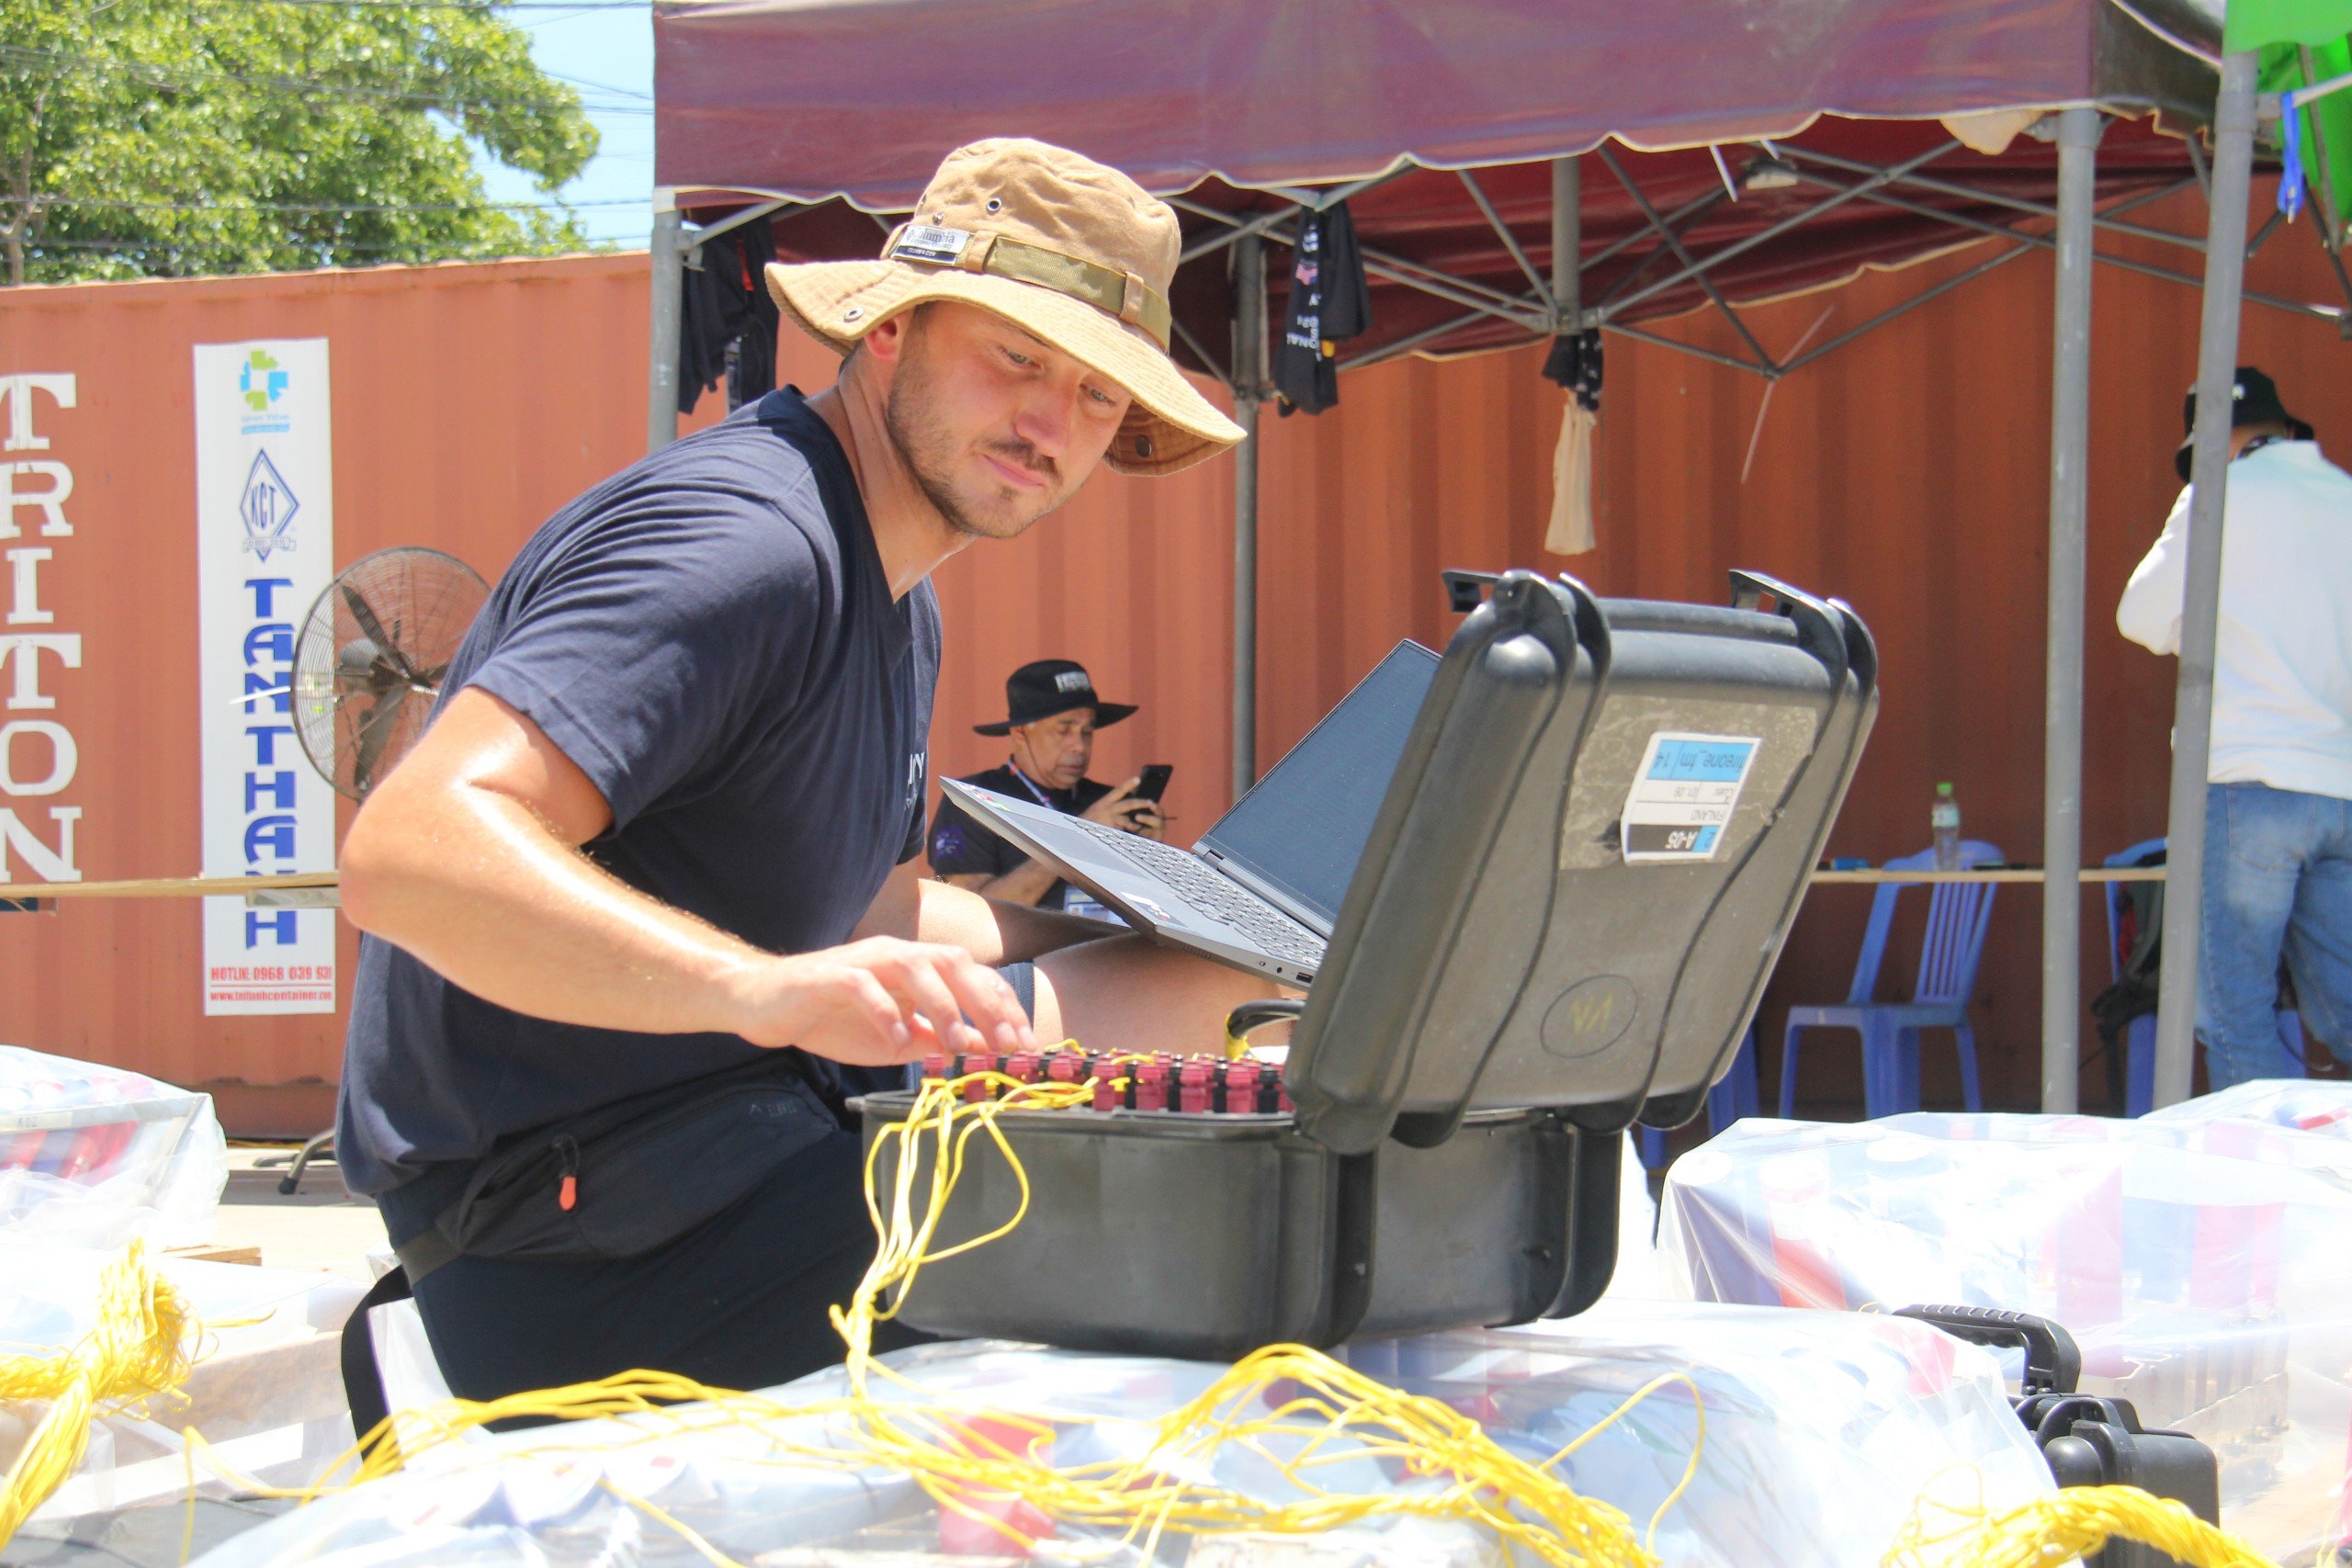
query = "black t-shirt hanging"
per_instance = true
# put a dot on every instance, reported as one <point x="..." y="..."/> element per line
<point x="729" y="319"/>
<point x="1329" y="302"/>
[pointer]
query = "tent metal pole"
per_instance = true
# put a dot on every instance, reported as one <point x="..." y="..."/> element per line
<point x="1892" y="311"/>
<point x="668" y="283"/>
<point x="2107" y="220"/>
<point x="2192" y="722"/>
<point x="1765" y="236"/>
<point x="1567" y="246"/>
<point x="1728" y="361"/>
<point x="1248" y="389"/>
<point x="1764" y="361"/>
<point x="2062" y="775"/>
<point x="2332" y="313"/>
<point x="735" y="220"/>
<point x="1241" y="227"/>
<point x="1510" y="240"/>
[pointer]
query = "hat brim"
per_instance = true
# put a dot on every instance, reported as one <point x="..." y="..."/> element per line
<point x="1169" y="425"/>
<point x="1105" y="715"/>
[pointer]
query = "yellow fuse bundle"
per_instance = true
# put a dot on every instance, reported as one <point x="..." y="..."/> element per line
<point x="1302" y="1413"/>
<point x="141" y="1347"/>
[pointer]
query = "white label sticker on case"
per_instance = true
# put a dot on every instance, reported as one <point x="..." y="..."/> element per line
<point x="1683" y="795"/>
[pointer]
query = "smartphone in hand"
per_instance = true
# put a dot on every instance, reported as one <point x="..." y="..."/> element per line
<point x="1154" y="781"/>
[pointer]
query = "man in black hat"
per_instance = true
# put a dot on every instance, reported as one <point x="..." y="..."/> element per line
<point x="2278" y="791"/>
<point x="1051" y="715"/>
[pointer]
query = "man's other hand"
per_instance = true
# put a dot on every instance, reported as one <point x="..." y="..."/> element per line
<point x="881" y="1001"/>
<point x="1127" y="811"/>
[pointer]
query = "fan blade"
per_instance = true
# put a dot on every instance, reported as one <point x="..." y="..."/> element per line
<point x="375" y="733"/>
<point x="373" y="630"/>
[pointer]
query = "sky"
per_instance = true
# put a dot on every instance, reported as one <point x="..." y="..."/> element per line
<point x="604" y="49"/>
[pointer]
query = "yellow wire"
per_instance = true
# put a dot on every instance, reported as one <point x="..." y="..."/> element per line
<point x="141" y="1346"/>
<point x="1329" y="1414"/>
<point x="931" y="1438"/>
<point x="2065" y="1525"/>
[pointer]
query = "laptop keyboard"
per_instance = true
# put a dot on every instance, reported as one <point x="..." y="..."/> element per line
<point x="1273" y="931"/>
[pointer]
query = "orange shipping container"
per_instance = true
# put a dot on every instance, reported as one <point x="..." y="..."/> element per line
<point x="1905" y="473"/>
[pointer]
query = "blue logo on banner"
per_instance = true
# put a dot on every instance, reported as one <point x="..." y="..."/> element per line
<point x="267" y="507"/>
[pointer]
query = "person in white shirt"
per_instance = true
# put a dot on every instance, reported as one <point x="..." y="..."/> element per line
<point x="2278" y="798"/>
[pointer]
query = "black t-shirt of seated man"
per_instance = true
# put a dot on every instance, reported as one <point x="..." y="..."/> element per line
<point x="962" y="847"/>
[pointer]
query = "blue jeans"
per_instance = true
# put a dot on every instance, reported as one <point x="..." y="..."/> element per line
<point x="2277" y="882"/>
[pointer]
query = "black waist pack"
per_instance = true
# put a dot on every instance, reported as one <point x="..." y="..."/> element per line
<point x="622" y="1179"/>
<point x="612" y="1182"/>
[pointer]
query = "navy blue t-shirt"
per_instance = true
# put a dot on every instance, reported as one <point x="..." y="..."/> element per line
<point x="709" y="636"/>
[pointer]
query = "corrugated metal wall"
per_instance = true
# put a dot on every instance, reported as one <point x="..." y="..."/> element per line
<point x="1905" y="473"/>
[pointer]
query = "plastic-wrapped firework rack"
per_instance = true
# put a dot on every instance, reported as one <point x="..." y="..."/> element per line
<point x="1593" y="845"/>
<point x="92" y="1156"/>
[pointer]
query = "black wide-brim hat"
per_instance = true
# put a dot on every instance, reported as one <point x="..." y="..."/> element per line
<point x="1051" y="686"/>
<point x="2254" y="400"/>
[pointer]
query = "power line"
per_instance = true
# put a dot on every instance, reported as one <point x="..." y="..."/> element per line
<point x="489" y="7"/>
<point x="575" y="81"/>
<point x="295" y="87"/>
<point x="438" y="250"/>
<point x="206" y="205"/>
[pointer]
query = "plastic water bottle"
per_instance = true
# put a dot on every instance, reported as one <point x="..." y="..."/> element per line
<point x="1944" y="817"/>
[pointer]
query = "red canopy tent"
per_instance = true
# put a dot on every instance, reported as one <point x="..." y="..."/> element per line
<point x="1687" y="153"/>
<point x="1442" y="121"/>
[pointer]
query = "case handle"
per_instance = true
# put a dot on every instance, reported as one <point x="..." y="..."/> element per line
<point x="1250" y="1017"/>
<point x="1465" y="590"/>
<point x="1598" y="1160"/>
<point x="2053" y="1361"/>
<point x="1820" y="628"/>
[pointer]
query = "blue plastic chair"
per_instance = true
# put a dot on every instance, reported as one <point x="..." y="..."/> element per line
<point x="2140" y="1037"/>
<point x="1958" y="913"/>
<point x="1729" y="1100"/>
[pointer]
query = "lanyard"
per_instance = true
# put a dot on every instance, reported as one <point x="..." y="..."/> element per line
<point x="1039" y="796"/>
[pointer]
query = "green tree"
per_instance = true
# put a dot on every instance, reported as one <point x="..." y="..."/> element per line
<point x="168" y="138"/>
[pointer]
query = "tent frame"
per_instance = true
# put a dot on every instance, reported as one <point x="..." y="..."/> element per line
<point x="1555" y="305"/>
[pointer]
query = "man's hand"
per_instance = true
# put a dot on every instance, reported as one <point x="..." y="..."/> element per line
<point x="881" y="1001"/>
<point x="1127" y="811"/>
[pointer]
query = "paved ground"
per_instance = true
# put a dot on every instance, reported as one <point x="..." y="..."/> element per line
<point x="321" y="1226"/>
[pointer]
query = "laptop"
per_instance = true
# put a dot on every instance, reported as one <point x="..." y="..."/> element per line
<point x="1261" y="888"/>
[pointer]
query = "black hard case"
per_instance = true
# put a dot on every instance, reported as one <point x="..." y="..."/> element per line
<point x="1503" y="994"/>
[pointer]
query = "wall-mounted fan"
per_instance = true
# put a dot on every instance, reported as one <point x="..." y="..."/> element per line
<point x="369" y="662"/>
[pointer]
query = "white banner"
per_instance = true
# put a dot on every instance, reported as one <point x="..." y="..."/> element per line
<point x="265" y="549"/>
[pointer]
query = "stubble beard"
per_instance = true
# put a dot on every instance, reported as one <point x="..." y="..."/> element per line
<point x="929" y="455"/>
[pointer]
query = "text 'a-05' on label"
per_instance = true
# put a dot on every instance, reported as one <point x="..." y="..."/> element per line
<point x="1683" y="795"/>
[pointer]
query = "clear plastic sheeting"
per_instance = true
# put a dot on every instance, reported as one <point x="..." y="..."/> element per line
<point x="265" y="1392"/>
<point x="2203" y="1266"/>
<point x="97" y="1156"/>
<point x="1819" y="1432"/>
<point x="2307" y="1105"/>
<point x="1636" y="1276"/>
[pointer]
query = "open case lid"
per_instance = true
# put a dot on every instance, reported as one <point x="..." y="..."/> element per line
<point x="1586" y="861"/>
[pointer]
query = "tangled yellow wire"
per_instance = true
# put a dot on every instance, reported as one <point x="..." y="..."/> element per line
<point x="142" y="1347"/>
<point x="2064" y="1526"/>
<point x="1292" y="1407"/>
<point x="980" y="1462"/>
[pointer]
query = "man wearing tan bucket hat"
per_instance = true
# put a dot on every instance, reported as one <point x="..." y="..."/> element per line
<point x="670" y="811"/>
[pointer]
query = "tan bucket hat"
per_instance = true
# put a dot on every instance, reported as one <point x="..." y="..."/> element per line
<point x="1075" y="252"/>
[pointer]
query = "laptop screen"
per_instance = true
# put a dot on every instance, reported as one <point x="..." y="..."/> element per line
<point x="1303" y="827"/>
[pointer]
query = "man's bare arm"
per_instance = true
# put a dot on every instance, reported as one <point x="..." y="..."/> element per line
<point x="1025" y="883"/>
<point x="466" y="855"/>
<point x="912" y="905"/>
